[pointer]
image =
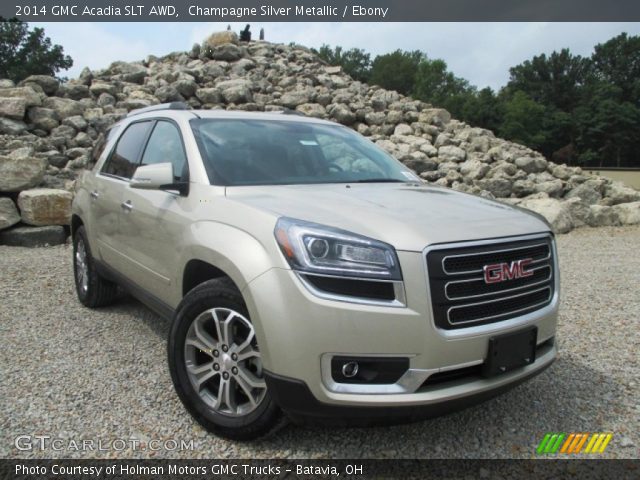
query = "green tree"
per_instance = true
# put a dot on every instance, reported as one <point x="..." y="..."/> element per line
<point x="437" y="85"/>
<point x="523" y="120"/>
<point x="608" y="126"/>
<point x="617" y="62"/>
<point x="553" y="81"/>
<point x="396" y="70"/>
<point x="24" y="52"/>
<point x="355" y="62"/>
<point x="483" y="109"/>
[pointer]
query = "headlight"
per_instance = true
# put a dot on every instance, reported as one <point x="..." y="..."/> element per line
<point x="314" y="248"/>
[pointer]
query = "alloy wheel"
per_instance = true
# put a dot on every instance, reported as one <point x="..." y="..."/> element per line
<point x="223" y="362"/>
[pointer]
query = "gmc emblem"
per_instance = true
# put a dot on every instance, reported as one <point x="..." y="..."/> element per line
<point x="501" y="272"/>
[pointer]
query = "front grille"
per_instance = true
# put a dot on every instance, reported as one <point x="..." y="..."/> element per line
<point x="461" y="297"/>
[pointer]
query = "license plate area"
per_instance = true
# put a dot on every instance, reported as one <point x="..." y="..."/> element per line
<point x="510" y="351"/>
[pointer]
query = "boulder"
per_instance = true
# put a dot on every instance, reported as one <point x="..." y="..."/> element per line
<point x="43" y="118"/>
<point x="186" y="88"/>
<point x="341" y="113"/>
<point x="619" y="193"/>
<point x="8" y="213"/>
<point x="531" y="164"/>
<point x="77" y="122"/>
<point x="578" y="210"/>
<point x="33" y="236"/>
<point x="30" y="96"/>
<point x="627" y="213"/>
<point x="138" y="99"/>
<point x="403" y="129"/>
<point x="586" y="193"/>
<point x="128" y="72"/>
<point x="474" y="169"/>
<point x="228" y="52"/>
<point x="74" y="91"/>
<point x="452" y="153"/>
<point x="553" y="188"/>
<point x="602" y="216"/>
<point x="522" y="188"/>
<point x="220" y="38"/>
<point x="45" y="206"/>
<point x="295" y="98"/>
<point x="553" y="210"/>
<point x="499" y="187"/>
<point x="209" y="95"/>
<point x="48" y="84"/>
<point x="12" y="107"/>
<point x="12" y="127"/>
<point x="375" y="118"/>
<point x="435" y="116"/>
<point x="312" y="110"/>
<point x="64" y="107"/>
<point x="168" y="93"/>
<point x="19" y="173"/>
<point x="236" y="91"/>
<point x="429" y="149"/>
<point x="98" y="88"/>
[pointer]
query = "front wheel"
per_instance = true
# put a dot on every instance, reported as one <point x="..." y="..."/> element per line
<point x="216" y="366"/>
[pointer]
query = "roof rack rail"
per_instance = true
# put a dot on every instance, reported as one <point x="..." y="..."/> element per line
<point x="289" y="111"/>
<point x="162" y="106"/>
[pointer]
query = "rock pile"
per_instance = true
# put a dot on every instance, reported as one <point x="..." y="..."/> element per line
<point x="47" y="130"/>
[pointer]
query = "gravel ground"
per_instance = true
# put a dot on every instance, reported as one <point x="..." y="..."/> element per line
<point x="73" y="373"/>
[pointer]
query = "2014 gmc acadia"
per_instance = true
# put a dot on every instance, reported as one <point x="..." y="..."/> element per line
<point x="307" y="271"/>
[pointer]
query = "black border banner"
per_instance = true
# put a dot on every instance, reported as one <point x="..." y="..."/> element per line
<point x="583" y="469"/>
<point x="321" y="10"/>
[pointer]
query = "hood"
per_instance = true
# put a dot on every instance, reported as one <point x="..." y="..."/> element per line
<point x="407" y="216"/>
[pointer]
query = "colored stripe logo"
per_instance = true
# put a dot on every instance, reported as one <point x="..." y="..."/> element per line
<point x="573" y="443"/>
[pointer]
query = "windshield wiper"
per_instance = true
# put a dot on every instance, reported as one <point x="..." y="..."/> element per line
<point x="379" y="180"/>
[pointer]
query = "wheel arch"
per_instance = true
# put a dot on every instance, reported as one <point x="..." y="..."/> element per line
<point x="76" y="222"/>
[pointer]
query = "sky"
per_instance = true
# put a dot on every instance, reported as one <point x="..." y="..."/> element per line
<point x="479" y="52"/>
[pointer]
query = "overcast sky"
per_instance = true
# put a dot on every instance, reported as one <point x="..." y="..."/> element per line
<point x="480" y="52"/>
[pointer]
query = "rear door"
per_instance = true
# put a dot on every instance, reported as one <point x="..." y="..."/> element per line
<point x="108" y="190"/>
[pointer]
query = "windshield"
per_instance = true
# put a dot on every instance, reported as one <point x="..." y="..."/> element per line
<point x="268" y="152"/>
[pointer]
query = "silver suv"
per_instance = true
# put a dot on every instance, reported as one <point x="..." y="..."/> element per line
<point x="308" y="272"/>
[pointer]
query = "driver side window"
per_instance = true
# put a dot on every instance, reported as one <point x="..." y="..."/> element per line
<point x="165" y="145"/>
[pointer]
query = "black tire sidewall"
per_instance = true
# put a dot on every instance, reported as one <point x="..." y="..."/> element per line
<point x="196" y="302"/>
<point x="84" y="297"/>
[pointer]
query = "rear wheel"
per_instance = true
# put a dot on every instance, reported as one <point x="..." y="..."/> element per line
<point x="216" y="365"/>
<point x="93" y="290"/>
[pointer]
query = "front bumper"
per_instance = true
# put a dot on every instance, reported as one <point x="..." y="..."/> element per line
<point x="299" y="332"/>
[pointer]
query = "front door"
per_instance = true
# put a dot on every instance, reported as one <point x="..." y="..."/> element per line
<point x="154" y="220"/>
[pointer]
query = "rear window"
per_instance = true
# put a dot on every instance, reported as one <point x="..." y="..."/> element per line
<point x="125" y="158"/>
<point x="100" y="145"/>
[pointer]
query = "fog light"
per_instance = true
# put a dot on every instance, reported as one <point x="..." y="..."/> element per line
<point x="350" y="369"/>
<point x="372" y="370"/>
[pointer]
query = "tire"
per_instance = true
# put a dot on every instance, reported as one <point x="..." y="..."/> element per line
<point x="93" y="290"/>
<point x="215" y="364"/>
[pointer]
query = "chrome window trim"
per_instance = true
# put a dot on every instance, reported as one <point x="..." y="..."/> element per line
<point x="398" y="287"/>
<point x="502" y="325"/>
<point x="501" y="291"/>
<point x="491" y="251"/>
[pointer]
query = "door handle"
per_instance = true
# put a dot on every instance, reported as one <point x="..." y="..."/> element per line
<point x="95" y="194"/>
<point x="127" y="206"/>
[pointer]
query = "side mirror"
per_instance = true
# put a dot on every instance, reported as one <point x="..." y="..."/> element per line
<point x="158" y="176"/>
<point x="152" y="177"/>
